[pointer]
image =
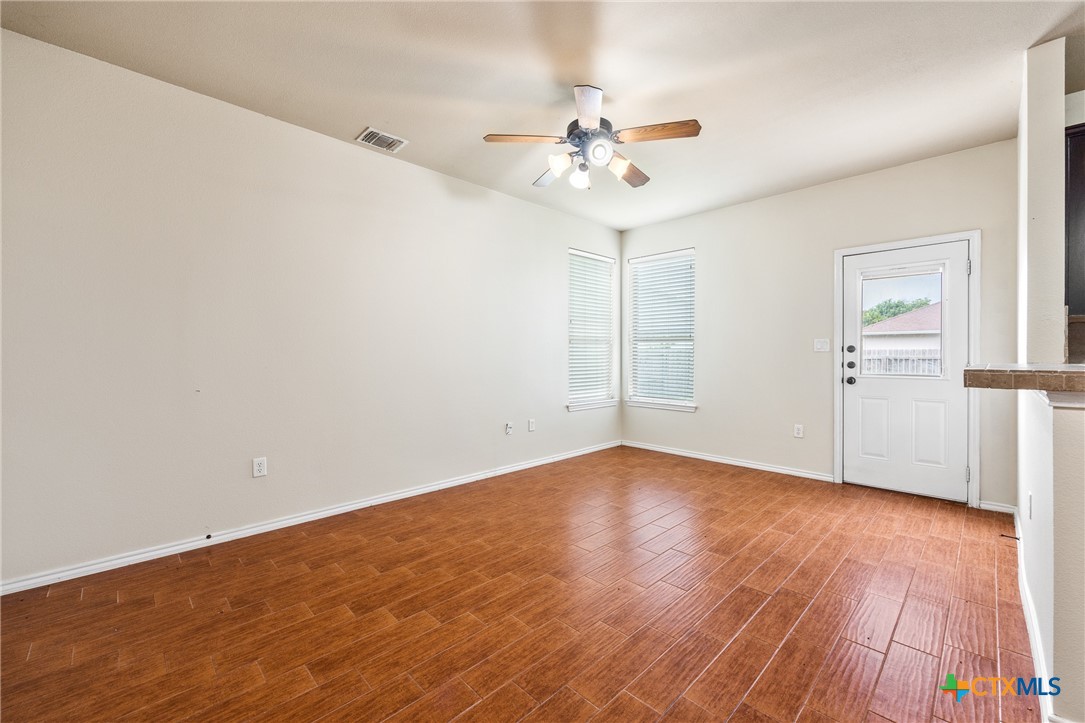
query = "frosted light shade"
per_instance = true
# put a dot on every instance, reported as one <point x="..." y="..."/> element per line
<point x="559" y="162"/>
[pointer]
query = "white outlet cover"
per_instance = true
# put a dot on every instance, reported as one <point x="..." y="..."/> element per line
<point x="259" y="466"/>
<point x="821" y="345"/>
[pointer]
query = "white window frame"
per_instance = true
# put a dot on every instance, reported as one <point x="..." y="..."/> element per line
<point x="632" y="400"/>
<point x="612" y="400"/>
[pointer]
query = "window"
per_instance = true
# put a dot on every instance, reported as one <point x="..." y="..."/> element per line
<point x="661" y="331"/>
<point x="591" y="331"/>
<point x="902" y="324"/>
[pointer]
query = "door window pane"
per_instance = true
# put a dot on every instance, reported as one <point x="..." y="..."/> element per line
<point x="902" y="325"/>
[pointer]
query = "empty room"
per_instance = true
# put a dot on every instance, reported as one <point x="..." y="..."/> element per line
<point x="548" y="361"/>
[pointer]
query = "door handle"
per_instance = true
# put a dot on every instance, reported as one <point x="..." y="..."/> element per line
<point x="850" y="380"/>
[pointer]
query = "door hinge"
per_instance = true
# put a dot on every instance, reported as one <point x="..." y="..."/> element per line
<point x="967" y="474"/>
<point x="968" y="267"/>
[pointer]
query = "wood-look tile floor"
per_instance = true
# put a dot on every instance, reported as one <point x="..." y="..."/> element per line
<point x="623" y="585"/>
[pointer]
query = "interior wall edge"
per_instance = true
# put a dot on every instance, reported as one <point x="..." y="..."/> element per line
<point x="998" y="507"/>
<point x="28" y="582"/>
<point x="1032" y="621"/>
<point x="819" y="476"/>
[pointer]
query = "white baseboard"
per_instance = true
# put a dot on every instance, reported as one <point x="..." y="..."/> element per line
<point x="727" y="460"/>
<point x="109" y="563"/>
<point x="1033" y="624"/>
<point x="999" y="507"/>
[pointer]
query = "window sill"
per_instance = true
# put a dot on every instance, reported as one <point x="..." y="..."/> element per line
<point x="660" y="404"/>
<point x="577" y="406"/>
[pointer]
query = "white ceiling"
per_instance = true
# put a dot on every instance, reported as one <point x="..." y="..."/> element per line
<point x="789" y="94"/>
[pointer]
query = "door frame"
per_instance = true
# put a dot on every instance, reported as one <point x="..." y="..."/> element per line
<point x="974" y="239"/>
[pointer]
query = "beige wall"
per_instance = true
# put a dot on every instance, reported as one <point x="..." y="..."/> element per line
<point x="1051" y="520"/>
<point x="1051" y="465"/>
<point x="1068" y="481"/>
<point x="1036" y="511"/>
<point x="1042" y="227"/>
<point x="187" y="285"/>
<point x="765" y="292"/>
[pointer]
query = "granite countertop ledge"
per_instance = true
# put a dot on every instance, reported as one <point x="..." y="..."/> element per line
<point x="1045" y="377"/>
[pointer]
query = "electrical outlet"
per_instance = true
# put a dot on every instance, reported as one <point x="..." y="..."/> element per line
<point x="508" y="428"/>
<point x="259" y="466"/>
<point x="821" y="345"/>
<point x="798" y="431"/>
<point x="531" y="425"/>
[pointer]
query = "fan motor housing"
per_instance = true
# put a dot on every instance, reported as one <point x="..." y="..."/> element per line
<point x="577" y="135"/>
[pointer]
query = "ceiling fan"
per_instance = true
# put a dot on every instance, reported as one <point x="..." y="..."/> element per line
<point x="593" y="139"/>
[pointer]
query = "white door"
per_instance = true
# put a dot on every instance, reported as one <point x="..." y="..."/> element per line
<point x="905" y="408"/>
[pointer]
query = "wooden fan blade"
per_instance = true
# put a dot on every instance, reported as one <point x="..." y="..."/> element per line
<point x="545" y="179"/>
<point x="502" y="138"/>
<point x="658" y="132"/>
<point x="621" y="167"/>
<point x="635" y="177"/>
<point x="589" y="106"/>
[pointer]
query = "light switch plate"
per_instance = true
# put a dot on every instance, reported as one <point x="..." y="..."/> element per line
<point x="821" y="345"/>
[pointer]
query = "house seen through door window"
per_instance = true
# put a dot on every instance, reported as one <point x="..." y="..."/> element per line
<point x="902" y="324"/>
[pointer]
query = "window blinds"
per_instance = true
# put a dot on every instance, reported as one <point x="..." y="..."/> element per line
<point x="661" y="327"/>
<point x="591" y="328"/>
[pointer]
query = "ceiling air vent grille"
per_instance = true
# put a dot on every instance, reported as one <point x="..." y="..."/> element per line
<point x="380" y="139"/>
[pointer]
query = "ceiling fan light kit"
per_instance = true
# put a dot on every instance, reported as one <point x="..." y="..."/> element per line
<point x="559" y="162"/>
<point x="580" y="178"/>
<point x="599" y="150"/>
<point x="618" y="166"/>
<point x="593" y="138"/>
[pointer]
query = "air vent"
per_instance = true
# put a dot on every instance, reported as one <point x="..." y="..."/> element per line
<point x="380" y="139"/>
